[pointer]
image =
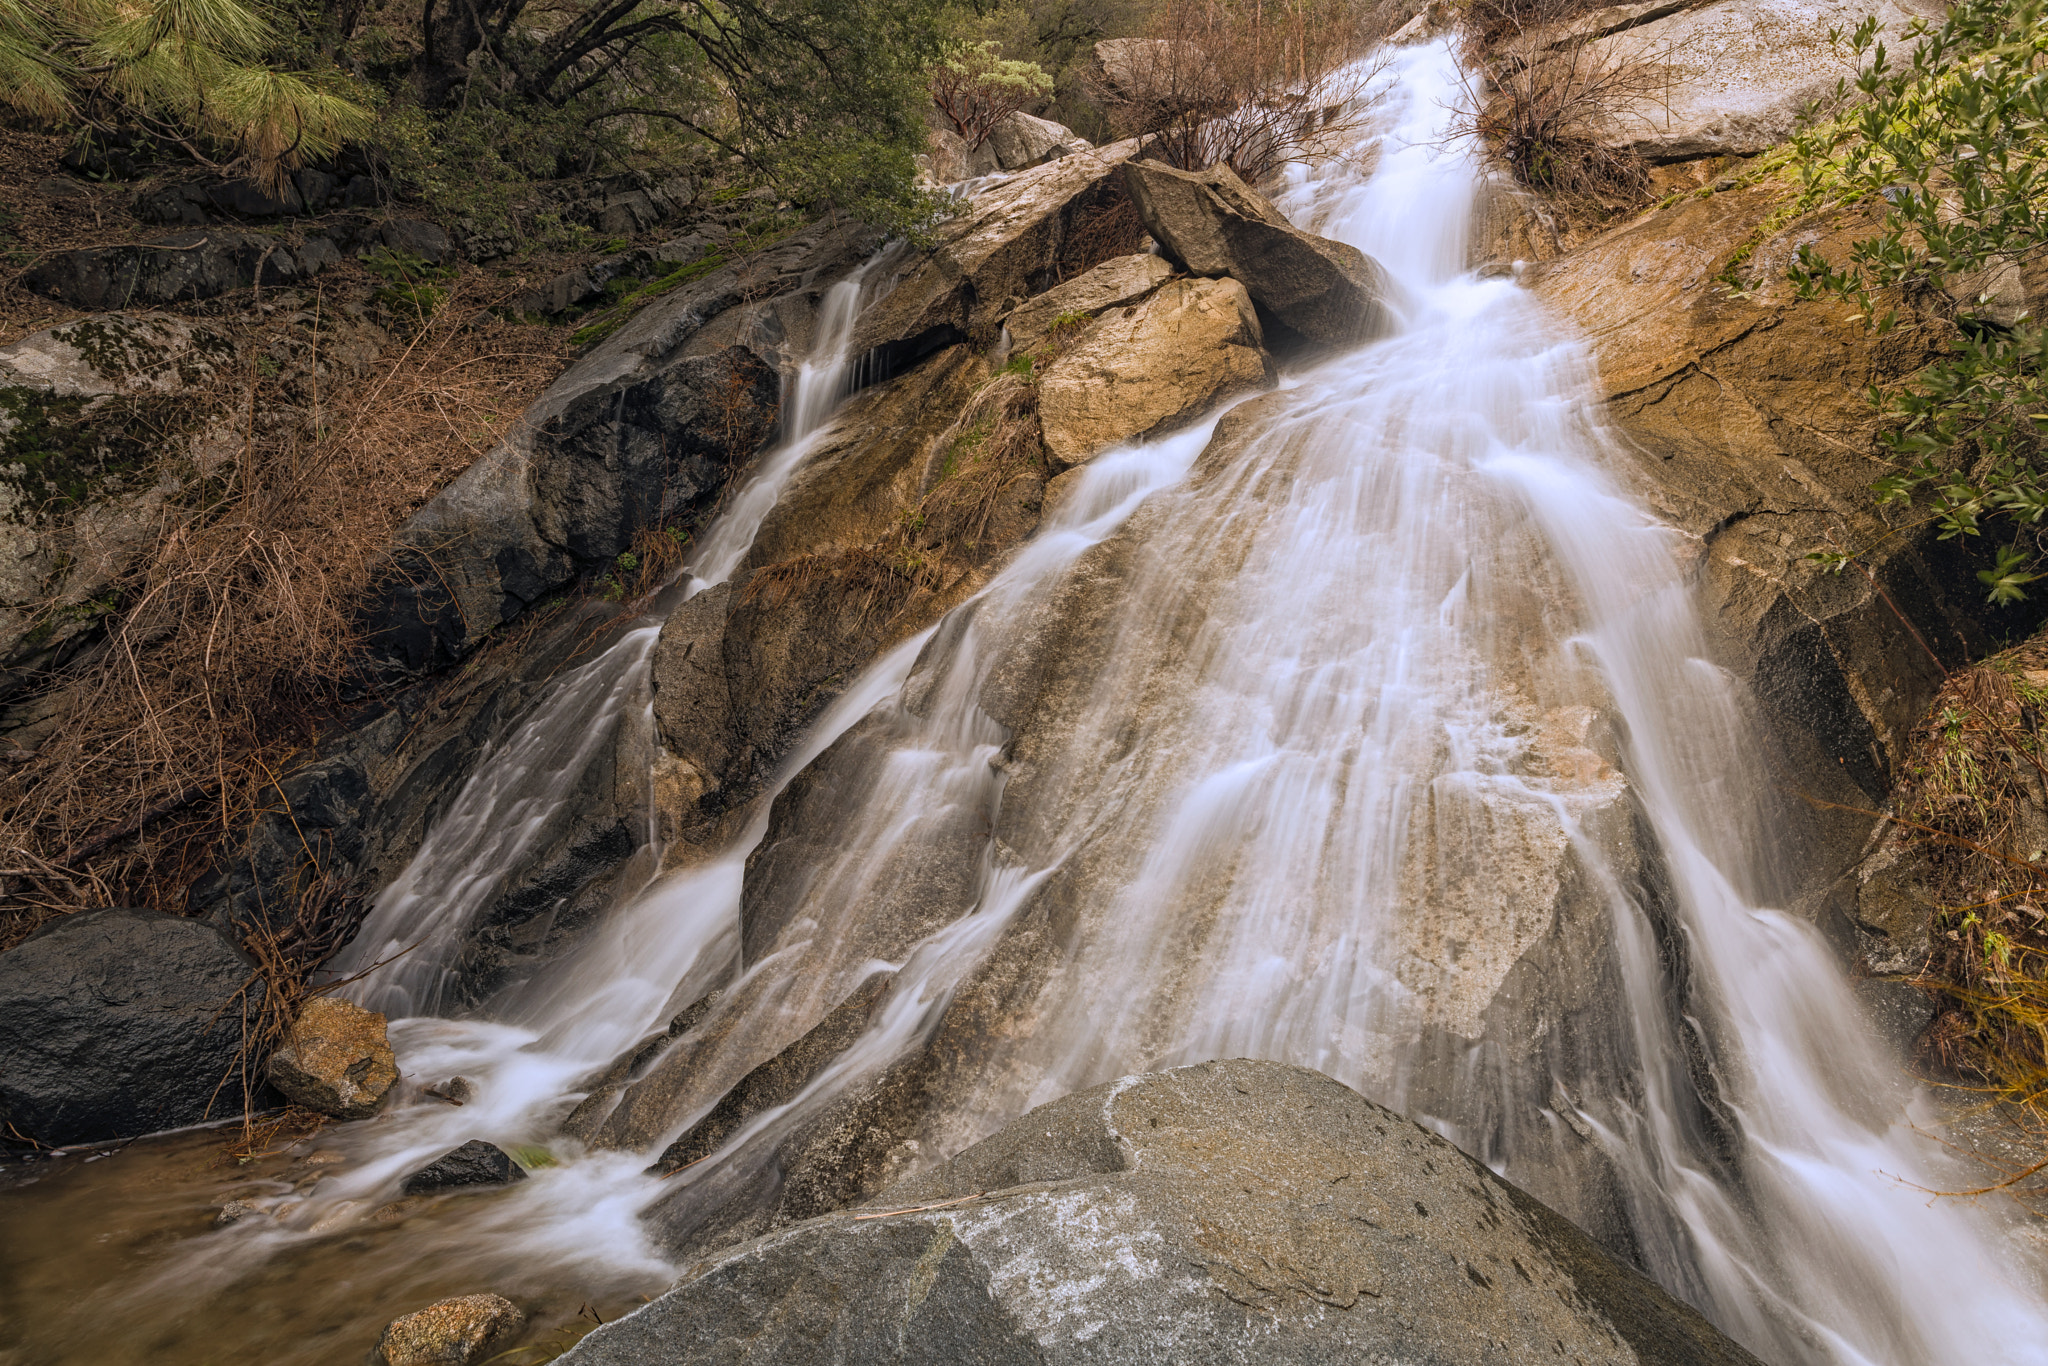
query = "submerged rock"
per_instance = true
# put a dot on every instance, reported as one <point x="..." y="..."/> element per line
<point x="1211" y="223"/>
<point x="1151" y="367"/>
<point x="335" y="1059"/>
<point x="458" y="1332"/>
<point x="122" y="1022"/>
<point x="1232" y="1211"/>
<point x="475" y="1163"/>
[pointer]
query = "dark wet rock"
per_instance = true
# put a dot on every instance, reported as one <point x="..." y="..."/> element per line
<point x="779" y="1080"/>
<point x="411" y="237"/>
<point x="739" y="675"/>
<point x="181" y="268"/>
<point x="460" y="1332"/>
<point x="642" y="431"/>
<point x="1212" y="224"/>
<point x="335" y="1058"/>
<point x="475" y="1163"/>
<point x="1227" y="1212"/>
<point x="122" y="1022"/>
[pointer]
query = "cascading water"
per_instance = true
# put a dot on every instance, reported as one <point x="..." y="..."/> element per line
<point x="1375" y="734"/>
<point x="408" y="947"/>
<point x="1397" y="687"/>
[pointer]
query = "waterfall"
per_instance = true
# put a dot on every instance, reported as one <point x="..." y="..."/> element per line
<point x="1369" y="727"/>
<point x="521" y="786"/>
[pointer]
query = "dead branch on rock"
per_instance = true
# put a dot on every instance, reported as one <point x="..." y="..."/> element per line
<point x="1552" y="93"/>
<point x="1253" y="86"/>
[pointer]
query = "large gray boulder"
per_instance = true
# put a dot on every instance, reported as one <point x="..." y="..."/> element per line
<point x="116" y="1023"/>
<point x="1012" y="241"/>
<point x="1227" y="1212"/>
<point x="1023" y="140"/>
<point x="1727" y="78"/>
<point x="1213" y="224"/>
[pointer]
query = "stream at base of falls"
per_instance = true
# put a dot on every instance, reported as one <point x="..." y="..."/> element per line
<point x="1383" y="740"/>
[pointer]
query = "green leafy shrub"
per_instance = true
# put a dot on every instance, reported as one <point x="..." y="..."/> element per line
<point x="1951" y="148"/>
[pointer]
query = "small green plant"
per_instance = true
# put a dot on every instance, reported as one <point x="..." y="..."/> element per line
<point x="628" y="561"/>
<point x="976" y="88"/>
<point x="629" y="301"/>
<point x="533" y="1157"/>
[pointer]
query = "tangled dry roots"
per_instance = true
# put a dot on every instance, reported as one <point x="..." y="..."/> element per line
<point x="1976" y="800"/>
<point x="219" y="661"/>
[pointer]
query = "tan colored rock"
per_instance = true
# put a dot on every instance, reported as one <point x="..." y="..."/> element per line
<point x="335" y="1059"/>
<point x="459" y="1332"/>
<point x="1731" y="78"/>
<point x="1114" y="283"/>
<point x="1508" y="225"/>
<point x="1743" y="420"/>
<point x="1002" y="248"/>
<point x="1152" y="367"/>
<point x="1213" y="224"/>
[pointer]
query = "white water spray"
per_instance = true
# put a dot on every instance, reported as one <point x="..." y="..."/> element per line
<point x="1377" y="704"/>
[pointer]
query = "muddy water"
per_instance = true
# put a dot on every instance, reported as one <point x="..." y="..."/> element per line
<point x="97" y="1253"/>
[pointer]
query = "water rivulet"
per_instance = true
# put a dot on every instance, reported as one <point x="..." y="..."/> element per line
<point x="1368" y="727"/>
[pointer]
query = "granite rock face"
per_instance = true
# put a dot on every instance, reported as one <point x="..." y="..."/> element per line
<point x="120" y="1022"/>
<point x="459" y="1332"/>
<point x="1116" y="282"/>
<point x="1226" y="1212"/>
<point x="335" y="1059"/>
<point x="1153" y="366"/>
<point x="1213" y="224"/>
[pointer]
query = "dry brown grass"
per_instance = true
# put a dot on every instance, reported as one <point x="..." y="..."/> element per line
<point x="1251" y="86"/>
<point x="235" y="626"/>
<point x="1549" y="96"/>
<point x="1976" y="803"/>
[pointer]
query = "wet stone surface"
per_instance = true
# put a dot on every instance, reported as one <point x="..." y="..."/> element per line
<point x="475" y="1163"/>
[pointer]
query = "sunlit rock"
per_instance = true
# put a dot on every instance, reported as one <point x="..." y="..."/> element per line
<point x="1009" y="242"/>
<point x="1025" y="140"/>
<point x="458" y="1332"/>
<point x="1116" y="282"/>
<point x="1728" y="78"/>
<point x="335" y="1059"/>
<point x="1211" y="223"/>
<point x="1152" y="367"/>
